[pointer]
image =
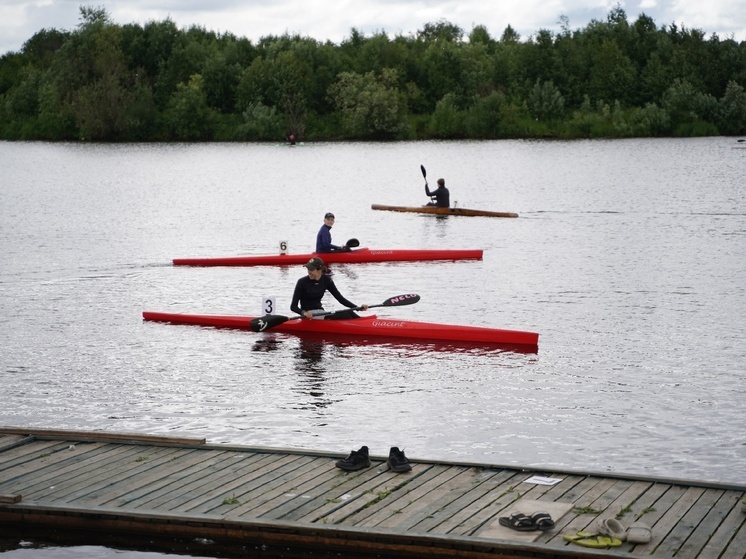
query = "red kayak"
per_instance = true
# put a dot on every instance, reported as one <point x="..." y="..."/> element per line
<point x="352" y="256"/>
<point x="363" y="326"/>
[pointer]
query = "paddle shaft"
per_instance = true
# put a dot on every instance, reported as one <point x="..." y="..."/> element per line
<point x="424" y="176"/>
<point x="260" y="324"/>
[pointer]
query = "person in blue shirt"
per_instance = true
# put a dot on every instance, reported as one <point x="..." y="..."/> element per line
<point x="441" y="195"/>
<point x="324" y="236"/>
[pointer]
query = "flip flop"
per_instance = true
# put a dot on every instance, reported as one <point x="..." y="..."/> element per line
<point x="518" y="521"/>
<point x="542" y="521"/>
<point x="639" y="532"/>
<point x="588" y="539"/>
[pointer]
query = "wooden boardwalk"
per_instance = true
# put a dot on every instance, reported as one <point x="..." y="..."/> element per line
<point x="180" y="487"/>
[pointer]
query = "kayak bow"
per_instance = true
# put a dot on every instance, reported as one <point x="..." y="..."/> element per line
<point x="352" y="256"/>
<point x="363" y="326"/>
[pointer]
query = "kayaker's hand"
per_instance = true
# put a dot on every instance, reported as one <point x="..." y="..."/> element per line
<point x="363" y="307"/>
<point x="306" y="314"/>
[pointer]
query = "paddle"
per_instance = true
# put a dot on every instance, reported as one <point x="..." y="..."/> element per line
<point x="262" y="323"/>
<point x="424" y="176"/>
<point x="352" y="243"/>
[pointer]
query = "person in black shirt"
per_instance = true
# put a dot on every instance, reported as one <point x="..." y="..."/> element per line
<point x="310" y="289"/>
<point x="441" y="195"/>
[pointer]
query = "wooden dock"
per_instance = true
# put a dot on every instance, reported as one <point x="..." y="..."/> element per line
<point x="152" y="486"/>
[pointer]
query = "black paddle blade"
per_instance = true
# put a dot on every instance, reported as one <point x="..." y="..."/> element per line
<point x="352" y="243"/>
<point x="399" y="300"/>
<point x="266" y="322"/>
<point x="424" y="173"/>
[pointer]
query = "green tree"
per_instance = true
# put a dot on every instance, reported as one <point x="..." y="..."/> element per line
<point x="188" y="116"/>
<point x="732" y="110"/>
<point x="371" y="106"/>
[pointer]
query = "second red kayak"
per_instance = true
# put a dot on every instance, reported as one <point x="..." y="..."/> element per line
<point x="364" y="326"/>
<point x="352" y="256"/>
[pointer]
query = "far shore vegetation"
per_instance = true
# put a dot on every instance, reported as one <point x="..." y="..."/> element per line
<point x="109" y="82"/>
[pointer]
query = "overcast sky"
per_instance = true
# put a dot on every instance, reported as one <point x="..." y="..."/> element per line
<point x="333" y="19"/>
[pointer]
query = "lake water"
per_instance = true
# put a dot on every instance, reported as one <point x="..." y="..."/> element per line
<point x="628" y="258"/>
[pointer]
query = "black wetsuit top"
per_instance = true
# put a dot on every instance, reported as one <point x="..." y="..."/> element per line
<point x="442" y="196"/>
<point x="308" y="294"/>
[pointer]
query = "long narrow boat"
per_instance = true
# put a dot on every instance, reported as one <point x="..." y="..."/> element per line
<point x="442" y="211"/>
<point x="363" y="326"/>
<point x="352" y="256"/>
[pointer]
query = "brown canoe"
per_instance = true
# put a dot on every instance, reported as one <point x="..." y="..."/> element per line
<point x="442" y="211"/>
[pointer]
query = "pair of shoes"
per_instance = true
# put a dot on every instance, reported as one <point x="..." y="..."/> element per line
<point x="636" y="533"/>
<point x="357" y="460"/>
<point x="397" y="462"/>
<point x="589" y="539"/>
<point x="523" y="523"/>
<point x="611" y="527"/>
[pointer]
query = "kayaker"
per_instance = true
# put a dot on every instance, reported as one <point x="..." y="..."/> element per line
<point x="324" y="236"/>
<point x="441" y="195"/>
<point x="310" y="289"/>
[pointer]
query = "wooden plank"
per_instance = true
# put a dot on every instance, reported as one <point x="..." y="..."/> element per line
<point x="41" y="471"/>
<point x="20" y="455"/>
<point x="407" y="496"/>
<point x="98" y="482"/>
<point x="344" y="493"/>
<point x="489" y="484"/>
<point x="732" y="530"/>
<point x="669" y="510"/>
<point x="195" y="483"/>
<point x="264" y="484"/>
<point x="396" y="488"/>
<point x="102" y="436"/>
<point x="294" y="492"/>
<point x="686" y="524"/>
<point x="12" y="441"/>
<point x="148" y="487"/>
<point x="255" y="476"/>
<point x="10" y="499"/>
<point x="701" y="537"/>
<point x="85" y="463"/>
<point x="425" y="505"/>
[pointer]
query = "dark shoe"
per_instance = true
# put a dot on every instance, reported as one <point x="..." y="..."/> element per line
<point x="397" y="462"/>
<point x="357" y="460"/>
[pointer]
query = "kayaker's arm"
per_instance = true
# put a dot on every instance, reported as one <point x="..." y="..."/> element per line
<point x="331" y="288"/>
<point x="294" y="304"/>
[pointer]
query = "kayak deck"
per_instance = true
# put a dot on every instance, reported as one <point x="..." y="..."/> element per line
<point x="363" y="255"/>
<point x="442" y="211"/>
<point x="363" y="326"/>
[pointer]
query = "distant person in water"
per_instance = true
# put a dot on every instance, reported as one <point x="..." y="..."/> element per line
<point x="324" y="236"/>
<point x="310" y="289"/>
<point x="291" y="139"/>
<point x="441" y="195"/>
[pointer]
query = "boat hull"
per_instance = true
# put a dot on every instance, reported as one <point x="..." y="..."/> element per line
<point x="362" y="255"/>
<point x="442" y="211"/>
<point x="363" y="326"/>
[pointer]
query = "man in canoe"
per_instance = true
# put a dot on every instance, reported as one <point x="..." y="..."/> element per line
<point x="324" y="236"/>
<point x="310" y="289"/>
<point x="441" y="195"/>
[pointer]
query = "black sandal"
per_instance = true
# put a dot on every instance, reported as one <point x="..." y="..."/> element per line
<point x="542" y="521"/>
<point x="518" y="521"/>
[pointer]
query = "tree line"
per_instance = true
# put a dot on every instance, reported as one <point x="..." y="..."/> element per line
<point x="155" y="82"/>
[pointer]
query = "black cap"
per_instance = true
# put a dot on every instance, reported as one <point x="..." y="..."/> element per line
<point x="315" y="263"/>
<point x="328" y="215"/>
